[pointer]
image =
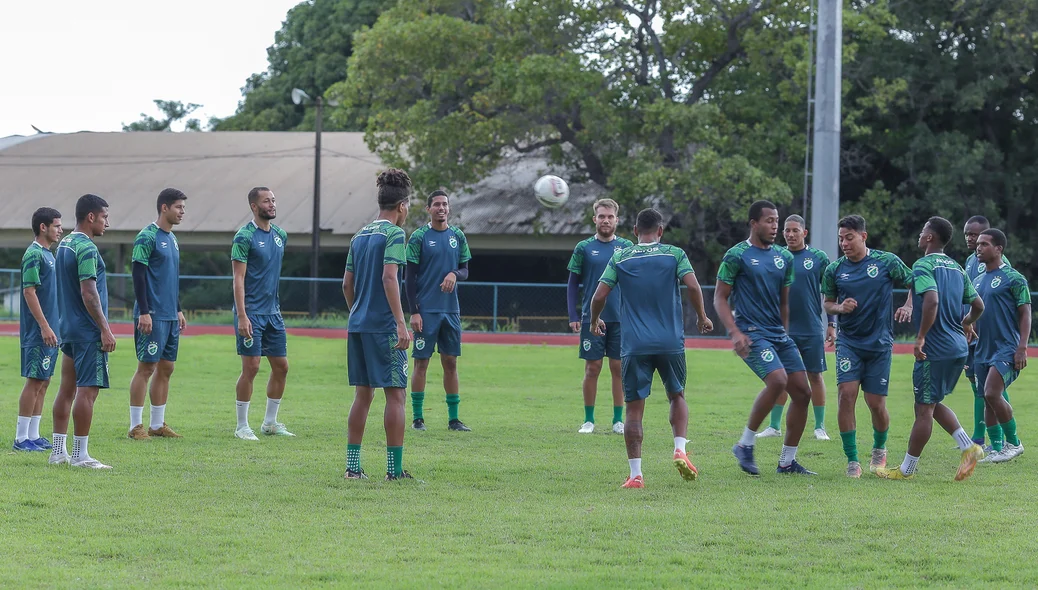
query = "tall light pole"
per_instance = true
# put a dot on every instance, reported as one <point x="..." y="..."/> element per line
<point x="825" y="177"/>
<point x="298" y="97"/>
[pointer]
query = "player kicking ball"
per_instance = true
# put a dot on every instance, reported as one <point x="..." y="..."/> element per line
<point x="377" y="339"/>
<point x="940" y="288"/>
<point x="649" y="274"/>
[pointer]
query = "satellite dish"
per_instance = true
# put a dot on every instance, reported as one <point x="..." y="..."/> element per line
<point x="298" y="96"/>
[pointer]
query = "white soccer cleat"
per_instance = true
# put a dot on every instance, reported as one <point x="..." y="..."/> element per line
<point x="992" y="456"/>
<point x="90" y="463"/>
<point x="618" y="428"/>
<point x="245" y="433"/>
<point x="769" y="432"/>
<point x="275" y="429"/>
<point x="59" y="459"/>
<point x="587" y="428"/>
<point x="821" y="434"/>
<point x="1013" y="451"/>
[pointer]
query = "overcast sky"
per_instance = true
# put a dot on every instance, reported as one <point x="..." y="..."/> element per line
<point x="70" y="66"/>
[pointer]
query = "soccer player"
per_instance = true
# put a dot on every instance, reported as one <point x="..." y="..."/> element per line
<point x="256" y="255"/>
<point x="653" y="342"/>
<point x="38" y="316"/>
<point x="589" y="260"/>
<point x="757" y="275"/>
<point x="940" y="288"/>
<point x="437" y="258"/>
<point x="86" y="338"/>
<point x="377" y="339"/>
<point x="1003" y="331"/>
<point x="859" y="289"/>
<point x="805" y="322"/>
<point x="158" y="319"/>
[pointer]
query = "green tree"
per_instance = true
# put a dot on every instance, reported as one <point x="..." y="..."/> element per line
<point x="172" y="111"/>
<point x="309" y="52"/>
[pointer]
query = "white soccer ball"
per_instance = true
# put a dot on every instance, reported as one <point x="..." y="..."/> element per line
<point x="551" y="191"/>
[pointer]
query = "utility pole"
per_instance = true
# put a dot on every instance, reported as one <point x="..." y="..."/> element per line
<point x="315" y="226"/>
<point x="825" y="177"/>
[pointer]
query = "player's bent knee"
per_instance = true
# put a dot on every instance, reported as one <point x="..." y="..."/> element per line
<point x="593" y="369"/>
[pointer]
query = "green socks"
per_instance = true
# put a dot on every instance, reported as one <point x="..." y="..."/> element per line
<point x="879" y="439"/>
<point x="776" y="417"/>
<point x="850" y="445"/>
<point x="995" y="434"/>
<point x="453" y="399"/>
<point x="618" y="414"/>
<point x="394" y="461"/>
<point x="978" y="415"/>
<point x="1009" y="429"/>
<point x="589" y="414"/>
<point x="353" y="458"/>
<point x="417" y="399"/>
<point x="819" y="417"/>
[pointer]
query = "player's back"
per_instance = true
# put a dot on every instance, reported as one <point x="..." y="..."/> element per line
<point x="79" y="260"/>
<point x="938" y="272"/>
<point x="379" y="243"/>
<point x="757" y="276"/>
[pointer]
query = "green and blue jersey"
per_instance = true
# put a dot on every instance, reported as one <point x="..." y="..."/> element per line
<point x="1003" y="291"/>
<point x="437" y="253"/>
<point x="79" y="260"/>
<point x="379" y="243"/>
<point x="262" y="252"/>
<point x="159" y="251"/>
<point x="870" y="282"/>
<point x="38" y="272"/>
<point x="939" y="273"/>
<point x="757" y="277"/>
<point x="589" y="261"/>
<point x="805" y="295"/>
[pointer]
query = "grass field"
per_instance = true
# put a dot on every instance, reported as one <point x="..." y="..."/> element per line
<point x="521" y="501"/>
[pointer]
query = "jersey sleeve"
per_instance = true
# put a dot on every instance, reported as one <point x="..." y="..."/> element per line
<point x="900" y="273"/>
<point x="87" y="262"/>
<point x="464" y="254"/>
<point x="143" y="247"/>
<point x="413" y="252"/>
<point x="241" y="246"/>
<point x="823" y="258"/>
<point x="31" y="263"/>
<point x="730" y="267"/>
<point x="684" y="266"/>
<point x="609" y="274"/>
<point x="828" y="285"/>
<point x="283" y="234"/>
<point x="969" y="292"/>
<point x="576" y="262"/>
<point x="1018" y="286"/>
<point x="923" y="277"/>
<point x="790" y="271"/>
<point x="349" y="259"/>
<point x="395" y="249"/>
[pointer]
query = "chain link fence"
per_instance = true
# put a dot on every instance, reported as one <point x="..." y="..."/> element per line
<point x="485" y="307"/>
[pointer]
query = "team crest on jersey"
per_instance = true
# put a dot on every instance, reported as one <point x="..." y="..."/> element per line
<point x="767" y="355"/>
<point x="247" y="342"/>
<point x="872" y="271"/>
<point x="46" y="363"/>
<point x="586" y="345"/>
<point x="780" y="263"/>
<point x="845" y="364"/>
<point x="453" y="242"/>
<point x="153" y="348"/>
<point x="419" y="343"/>
<point x="277" y="240"/>
<point x="995" y="282"/>
<point x="809" y="263"/>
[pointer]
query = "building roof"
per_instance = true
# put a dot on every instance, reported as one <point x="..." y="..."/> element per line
<point x="216" y="171"/>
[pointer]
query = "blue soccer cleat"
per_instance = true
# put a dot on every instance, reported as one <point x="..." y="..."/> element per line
<point x="26" y="446"/>
<point x="795" y="469"/>
<point x="745" y="457"/>
<point x="43" y="443"/>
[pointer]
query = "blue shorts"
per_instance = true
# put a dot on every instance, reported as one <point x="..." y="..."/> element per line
<point x="636" y="373"/>
<point x="594" y="348"/>
<point x="771" y="354"/>
<point x="870" y="367"/>
<point x="268" y="336"/>
<point x="812" y="352"/>
<point x="372" y="360"/>
<point x="1006" y="370"/>
<point x="162" y="344"/>
<point x="440" y="332"/>
<point x="90" y="361"/>
<point x="932" y="381"/>
<point x="38" y="362"/>
<point x="971" y="372"/>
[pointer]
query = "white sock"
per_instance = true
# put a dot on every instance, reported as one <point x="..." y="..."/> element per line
<point x="243" y="414"/>
<point x="272" y="411"/>
<point x="679" y="443"/>
<point x="908" y="465"/>
<point x="789" y="454"/>
<point x="749" y="437"/>
<point x="136" y="416"/>
<point x="962" y="439"/>
<point x="34" y="428"/>
<point x="22" y="432"/>
<point x="158" y="416"/>
<point x="58" y="444"/>
<point x="636" y="467"/>
<point x="79" y="448"/>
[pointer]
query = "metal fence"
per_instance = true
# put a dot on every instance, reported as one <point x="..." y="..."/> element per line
<point x="487" y="307"/>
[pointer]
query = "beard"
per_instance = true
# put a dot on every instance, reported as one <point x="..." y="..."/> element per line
<point x="264" y="215"/>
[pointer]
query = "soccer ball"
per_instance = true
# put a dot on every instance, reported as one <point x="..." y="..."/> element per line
<point x="551" y="191"/>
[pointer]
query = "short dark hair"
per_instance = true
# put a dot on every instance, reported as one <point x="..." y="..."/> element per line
<point x="997" y="237"/>
<point x="394" y="187"/>
<point x="796" y="219"/>
<point x="942" y="228"/>
<point x="852" y="222"/>
<point x="43" y="216"/>
<point x="255" y="193"/>
<point x="434" y="194"/>
<point x="88" y="204"/>
<point x="168" y="196"/>
<point x="757" y="209"/>
<point x="979" y="219"/>
<point x="648" y="220"/>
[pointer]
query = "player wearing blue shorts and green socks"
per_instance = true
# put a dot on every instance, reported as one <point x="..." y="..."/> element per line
<point x="157" y="319"/>
<point x="859" y="290"/>
<point x="589" y="260"/>
<point x="377" y="339"/>
<point x="806" y="326"/>
<point x="1002" y="332"/>
<point x="86" y="339"/>
<point x="940" y="289"/>
<point x="757" y="275"/>
<point x="37" y="319"/>
<point x="437" y="258"/>
<point x="256" y="255"/>
<point x="649" y="275"/>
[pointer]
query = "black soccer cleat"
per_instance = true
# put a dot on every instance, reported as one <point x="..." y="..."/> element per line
<point x="418" y="424"/>
<point x="458" y="425"/>
<point x="355" y="474"/>
<point x="403" y="475"/>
